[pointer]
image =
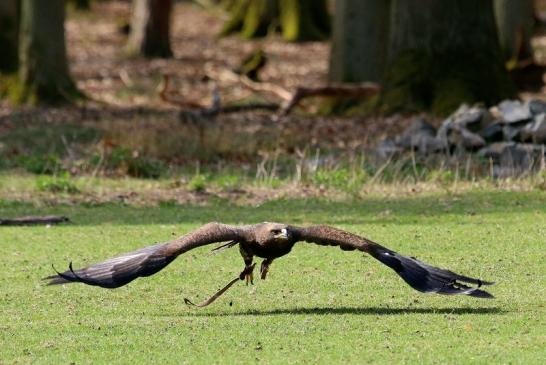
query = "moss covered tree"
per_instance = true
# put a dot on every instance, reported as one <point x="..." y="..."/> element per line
<point x="43" y="69"/>
<point x="515" y="20"/>
<point x="150" y="28"/>
<point x="9" y="33"/>
<point x="360" y="36"/>
<point x="438" y="54"/>
<point x="80" y="4"/>
<point x="298" y="20"/>
<point x="443" y="53"/>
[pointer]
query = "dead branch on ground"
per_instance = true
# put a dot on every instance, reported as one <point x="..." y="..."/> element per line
<point x="215" y="108"/>
<point x="346" y="91"/>
<point x="290" y="100"/>
<point x="227" y="75"/>
<point x="33" y="220"/>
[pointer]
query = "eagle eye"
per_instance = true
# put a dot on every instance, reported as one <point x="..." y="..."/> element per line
<point x="276" y="231"/>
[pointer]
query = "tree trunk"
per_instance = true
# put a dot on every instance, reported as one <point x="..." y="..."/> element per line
<point x="515" y="26"/>
<point x="251" y="18"/>
<point x="43" y="69"/>
<point x="304" y="20"/>
<point x="298" y="20"/>
<point x="9" y="33"/>
<point x="443" y="53"/>
<point x="150" y="28"/>
<point x="360" y="38"/>
<point x="80" y="4"/>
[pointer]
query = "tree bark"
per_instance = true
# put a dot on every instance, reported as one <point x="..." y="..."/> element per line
<point x="150" y="28"/>
<point x="360" y="38"/>
<point x="515" y="26"/>
<point x="298" y="20"/>
<point x="304" y="20"/>
<point x="443" y="53"/>
<point x="80" y="4"/>
<point x="9" y="33"/>
<point x="43" y="71"/>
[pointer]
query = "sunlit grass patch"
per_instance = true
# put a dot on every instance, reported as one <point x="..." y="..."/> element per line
<point x="319" y="304"/>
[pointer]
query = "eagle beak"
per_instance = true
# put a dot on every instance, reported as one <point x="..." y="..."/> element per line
<point x="283" y="235"/>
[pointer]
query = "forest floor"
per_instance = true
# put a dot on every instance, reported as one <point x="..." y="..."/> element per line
<point x="125" y="91"/>
<point x="126" y="129"/>
<point x="126" y="109"/>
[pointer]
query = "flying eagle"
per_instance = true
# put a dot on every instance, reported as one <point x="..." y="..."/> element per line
<point x="268" y="241"/>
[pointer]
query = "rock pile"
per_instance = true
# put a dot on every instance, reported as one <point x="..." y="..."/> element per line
<point x="511" y="136"/>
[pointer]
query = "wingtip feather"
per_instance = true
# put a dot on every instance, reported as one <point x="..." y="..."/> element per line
<point x="429" y="279"/>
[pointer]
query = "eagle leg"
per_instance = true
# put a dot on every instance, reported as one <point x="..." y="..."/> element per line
<point x="247" y="274"/>
<point x="264" y="268"/>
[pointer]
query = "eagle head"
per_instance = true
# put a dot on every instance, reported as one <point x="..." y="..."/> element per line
<point x="273" y="232"/>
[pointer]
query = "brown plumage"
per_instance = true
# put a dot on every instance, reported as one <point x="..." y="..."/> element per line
<point x="268" y="241"/>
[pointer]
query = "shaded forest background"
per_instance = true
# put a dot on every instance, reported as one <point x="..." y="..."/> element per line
<point x="143" y="114"/>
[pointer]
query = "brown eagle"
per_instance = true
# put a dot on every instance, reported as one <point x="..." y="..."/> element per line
<point x="268" y="241"/>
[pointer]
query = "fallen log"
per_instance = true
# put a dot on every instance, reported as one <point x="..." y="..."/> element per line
<point x="33" y="220"/>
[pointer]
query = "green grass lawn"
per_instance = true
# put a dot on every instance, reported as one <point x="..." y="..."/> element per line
<point x="319" y="304"/>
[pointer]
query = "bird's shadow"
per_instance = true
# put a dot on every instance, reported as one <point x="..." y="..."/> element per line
<point x="379" y="311"/>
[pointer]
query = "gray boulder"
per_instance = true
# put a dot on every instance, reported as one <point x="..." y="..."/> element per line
<point x="419" y="136"/>
<point x="495" y="150"/>
<point x="463" y="138"/>
<point x="512" y="159"/>
<point x="514" y="111"/>
<point x="537" y="107"/>
<point x="455" y="135"/>
<point x="387" y="148"/>
<point x="511" y="132"/>
<point x="493" y="132"/>
<point x="536" y="131"/>
<point x="472" y="118"/>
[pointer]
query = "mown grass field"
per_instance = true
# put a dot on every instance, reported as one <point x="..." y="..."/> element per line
<point x="319" y="304"/>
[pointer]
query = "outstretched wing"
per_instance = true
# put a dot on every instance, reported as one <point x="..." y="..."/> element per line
<point x="419" y="275"/>
<point x="123" y="269"/>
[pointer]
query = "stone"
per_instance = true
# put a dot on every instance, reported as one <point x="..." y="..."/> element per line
<point x="471" y="118"/>
<point x="492" y="133"/>
<point x="420" y="135"/>
<point x="495" y="150"/>
<point x="511" y="132"/>
<point x="514" y="111"/>
<point x="469" y="140"/>
<point x="537" y="107"/>
<point x="430" y="145"/>
<point x="536" y="131"/>
<point x="387" y="148"/>
<point x="453" y="135"/>
<point x="512" y="159"/>
<point x="520" y="158"/>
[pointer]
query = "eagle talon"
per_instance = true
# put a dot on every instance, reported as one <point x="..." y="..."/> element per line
<point x="247" y="274"/>
<point x="264" y="268"/>
<point x="249" y="278"/>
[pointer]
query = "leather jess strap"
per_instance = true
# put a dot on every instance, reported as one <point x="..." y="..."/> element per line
<point x="247" y="271"/>
<point x="214" y="297"/>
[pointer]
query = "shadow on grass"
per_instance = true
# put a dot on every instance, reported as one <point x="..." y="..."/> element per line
<point x="356" y="311"/>
<point x="406" y="210"/>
